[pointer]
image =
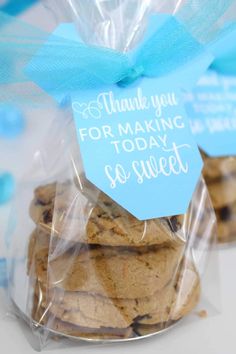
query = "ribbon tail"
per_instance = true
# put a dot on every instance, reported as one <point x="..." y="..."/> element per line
<point x="19" y="42"/>
<point x="33" y="61"/>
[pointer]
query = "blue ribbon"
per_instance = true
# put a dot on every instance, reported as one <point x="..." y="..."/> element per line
<point x="166" y="46"/>
<point x="225" y="51"/>
<point x="58" y="65"/>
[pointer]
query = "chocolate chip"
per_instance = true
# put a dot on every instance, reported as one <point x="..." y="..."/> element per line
<point x="225" y="214"/>
<point x="47" y="216"/>
<point x="173" y="223"/>
<point x="144" y="317"/>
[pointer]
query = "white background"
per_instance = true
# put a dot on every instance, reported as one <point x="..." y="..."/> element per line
<point x="213" y="335"/>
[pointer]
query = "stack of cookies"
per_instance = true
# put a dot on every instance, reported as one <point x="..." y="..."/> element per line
<point x="99" y="273"/>
<point x="220" y="176"/>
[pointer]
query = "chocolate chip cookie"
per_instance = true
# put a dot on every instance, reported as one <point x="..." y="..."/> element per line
<point x="97" y="272"/>
<point x="63" y="210"/>
<point x="97" y="313"/>
<point x="220" y="175"/>
<point x="115" y="272"/>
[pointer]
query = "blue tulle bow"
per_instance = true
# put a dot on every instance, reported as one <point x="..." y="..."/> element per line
<point x="59" y="65"/>
<point x="166" y="46"/>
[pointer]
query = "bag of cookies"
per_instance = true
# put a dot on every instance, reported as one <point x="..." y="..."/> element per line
<point x="212" y="109"/>
<point x="105" y="231"/>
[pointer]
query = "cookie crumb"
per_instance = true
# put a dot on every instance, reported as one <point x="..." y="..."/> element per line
<point x="202" y="314"/>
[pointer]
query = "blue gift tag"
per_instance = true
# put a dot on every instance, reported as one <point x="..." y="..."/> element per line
<point x="137" y="146"/>
<point x="212" y="109"/>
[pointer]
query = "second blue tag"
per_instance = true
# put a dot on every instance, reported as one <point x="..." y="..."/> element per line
<point x="211" y="108"/>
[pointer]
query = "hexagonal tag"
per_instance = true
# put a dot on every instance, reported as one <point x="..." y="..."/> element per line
<point x="212" y="109"/>
<point x="137" y="146"/>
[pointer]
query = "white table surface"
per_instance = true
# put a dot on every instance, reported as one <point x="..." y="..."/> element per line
<point x="212" y="335"/>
